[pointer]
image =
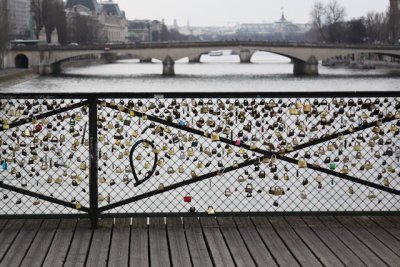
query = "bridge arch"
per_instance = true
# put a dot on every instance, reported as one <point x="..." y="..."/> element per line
<point x="21" y="61"/>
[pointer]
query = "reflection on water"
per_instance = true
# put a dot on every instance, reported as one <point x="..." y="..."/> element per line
<point x="268" y="72"/>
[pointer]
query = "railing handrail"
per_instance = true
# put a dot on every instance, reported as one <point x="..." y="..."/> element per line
<point x="221" y="94"/>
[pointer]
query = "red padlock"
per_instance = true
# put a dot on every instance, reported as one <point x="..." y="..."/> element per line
<point x="237" y="142"/>
<point x="187" y="198"/>
<point x="38" y="128"/>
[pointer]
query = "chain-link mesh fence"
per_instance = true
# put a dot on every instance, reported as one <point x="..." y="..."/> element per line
<point x="203" y="155"/>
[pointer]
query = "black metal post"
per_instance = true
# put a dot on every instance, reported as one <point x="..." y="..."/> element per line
<point x="93" y="161"/>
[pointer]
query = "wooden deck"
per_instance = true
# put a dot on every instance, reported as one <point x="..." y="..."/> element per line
<point x="258" y="241"/>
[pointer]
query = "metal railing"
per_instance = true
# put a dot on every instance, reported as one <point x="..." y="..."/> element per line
<point x="194" y="154"/>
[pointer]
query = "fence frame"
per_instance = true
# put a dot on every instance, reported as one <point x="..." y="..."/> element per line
<point x="93" y="212"/>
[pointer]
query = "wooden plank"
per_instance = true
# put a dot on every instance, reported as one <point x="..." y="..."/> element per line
<point x="100" y="245"/>
<point x="394" y="219"/>
<point x="334" y="243"/>
<point x="358" y="248"/>
<point x="196" y="243"/>
<point x="387" y="225"/>
<point x="235" y="243"/>
<point x="119" y="250"/>
<point x="41" y="244"/>
<point x="139" y="254"/>
<point x="379" y="233"/>
<point x="21" y="244"/>
<point x="3" y="224"/>
<point x="383" y="252"/>
<point x="60" y="245"/>
<point x="324" y="254"/>
<point x="80" y="244"/>
<point x="297" y="247"/>
<point x="273" y="242"/>
<point x="177" y="242"/>
<point x="215" y="241"/>
<point x="8" y="234"/>
<point x="255" y="245"/>
<point x="159" y="254"/>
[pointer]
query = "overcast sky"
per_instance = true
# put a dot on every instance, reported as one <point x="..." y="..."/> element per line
<point x="222" y="12"/>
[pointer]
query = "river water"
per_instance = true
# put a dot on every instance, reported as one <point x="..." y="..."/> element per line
<point x="268" y="72"/>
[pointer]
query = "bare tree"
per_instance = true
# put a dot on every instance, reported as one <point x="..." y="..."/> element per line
<point x="37" y="16"/>
<point x="317" y="15"/>
<point x="4" y="36"/>
<point x="334" y="12"/>
<point x="377" y="27"/>
<point x="328" y="20"/>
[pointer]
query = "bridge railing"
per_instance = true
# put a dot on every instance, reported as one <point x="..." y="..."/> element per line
<point x="195" y="154"/>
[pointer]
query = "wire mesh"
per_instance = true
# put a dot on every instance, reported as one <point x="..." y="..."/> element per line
<point x="192" y="142"/>
<point x="201" y="155"/>
<point x="44" y="153"/>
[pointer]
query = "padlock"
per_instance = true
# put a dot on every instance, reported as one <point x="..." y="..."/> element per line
<point x="215" y="137"/>
<point x="357" y="147"/>
<point x="249" y="188"/>
<point x="331" y="146"/>
<point x="187" y="198"/>
<point x="302" y="163"/>
<point x="286" y="177"/>
<point x="307" y="107"/>
<point x="368" y="165"/>
<point x="345" y="169"/>
<point x="181" y="169"/>
<point x="303" y="195"/>
<point x="160" y="163"/>
<point x="210" y="210"/>
<point x="276" y="191"/>
<point x="83" y="166"/>
<point x="161" y="187"/>
<point x="293" y="110"/>
<point x="227" y="192"/>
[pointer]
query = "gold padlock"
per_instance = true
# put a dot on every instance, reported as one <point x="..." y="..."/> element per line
<point x="215" y="137"/>
<point x="190" y="152"/>
<point x="160" y="162"/>
<point x="368" y="165"/>
<point x="302" y="163"/>
<point x="293" y="110"/>
<point x="386" y="182"/>
<point x="357" y="146"/>
<point x="181" y="169"/>
<point x="307" y="106"/>
<point x="345" y="169"/>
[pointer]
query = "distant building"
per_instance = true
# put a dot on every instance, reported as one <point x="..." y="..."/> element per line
<point x="279" y="30"/>
<point x="18" y="18"/>
<point x="144" y="30"/>
<point x="111" y="23"/>
<point x="282" y="30"/>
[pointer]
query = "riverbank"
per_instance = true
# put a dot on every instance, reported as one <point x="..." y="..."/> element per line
<point x="10" y="77"/>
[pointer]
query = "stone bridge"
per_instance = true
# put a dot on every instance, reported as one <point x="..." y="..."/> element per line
<point x="305" y="57"/>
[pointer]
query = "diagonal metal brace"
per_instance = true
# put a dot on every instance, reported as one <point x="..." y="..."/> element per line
<point x="40" y="196"/>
